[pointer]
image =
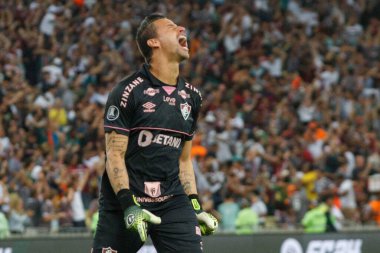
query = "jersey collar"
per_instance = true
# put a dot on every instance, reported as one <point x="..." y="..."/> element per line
<point x="155" y="82"/>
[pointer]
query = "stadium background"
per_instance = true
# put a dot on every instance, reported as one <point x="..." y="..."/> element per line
<point x="290" y="113"/>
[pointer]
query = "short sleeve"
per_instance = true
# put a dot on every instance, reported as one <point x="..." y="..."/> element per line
<point x="118" y="113"/>
<point x="197" y="108"/>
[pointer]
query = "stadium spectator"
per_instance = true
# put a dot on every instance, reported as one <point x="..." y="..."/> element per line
<point x="374" y="206"/>
<point x="228" y="211"/>
<point x="259" y="207"/>
<point x="347" y="197"/>
<point x="247" y="220"/>
<point x="18" y="218"/>
<point x="323" y="216"/>
<point x="75" y="199"/>
<point x="4" y="226"/>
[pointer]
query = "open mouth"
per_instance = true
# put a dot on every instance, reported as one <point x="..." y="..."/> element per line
<point x="182" y="41"/>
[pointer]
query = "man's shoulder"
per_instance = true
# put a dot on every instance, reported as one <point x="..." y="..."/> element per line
<point x="131" y="80"/>
<point x="193" y="91"/>
<point x="129" y="84"/>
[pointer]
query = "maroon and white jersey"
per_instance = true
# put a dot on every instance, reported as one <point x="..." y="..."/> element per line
<point x="158" y="118"/>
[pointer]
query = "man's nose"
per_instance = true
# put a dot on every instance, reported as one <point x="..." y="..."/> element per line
<point x="181" y="29"/>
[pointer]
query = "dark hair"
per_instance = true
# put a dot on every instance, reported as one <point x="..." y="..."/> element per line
<point x="325" y="197"/>
<point x="145" y="32"/>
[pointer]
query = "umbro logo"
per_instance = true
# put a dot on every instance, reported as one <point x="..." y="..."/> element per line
<point x="149" y="107"/>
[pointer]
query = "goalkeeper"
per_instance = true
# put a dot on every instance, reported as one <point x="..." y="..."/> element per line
<point x="148" y="187"/>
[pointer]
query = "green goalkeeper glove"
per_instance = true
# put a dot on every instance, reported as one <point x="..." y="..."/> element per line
<point x="207" y="222"/>
<point x="136" y="219"/>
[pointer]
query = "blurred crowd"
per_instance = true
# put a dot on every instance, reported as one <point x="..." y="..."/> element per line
<point x="290" y="117"/>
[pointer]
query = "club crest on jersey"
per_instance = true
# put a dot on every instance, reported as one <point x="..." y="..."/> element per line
<point x="108" y="250"/>
<point x="185" y="110"/>
<point x="112" y="113"/>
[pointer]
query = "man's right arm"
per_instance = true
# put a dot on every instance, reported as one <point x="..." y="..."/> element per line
<point x="135" y="217"/>
<point x="116" y="147"/>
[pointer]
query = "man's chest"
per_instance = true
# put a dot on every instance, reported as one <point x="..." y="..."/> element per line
<point x="164" y="107"/>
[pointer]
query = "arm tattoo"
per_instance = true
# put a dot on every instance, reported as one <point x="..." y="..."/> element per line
<point x="120" y="185"/>
<point x="115" y="172"/>
<point x="116" y="147"/>
<point x="186" y="187"/>
<point x="186" y="174"/>
<point x="185" y="178"/>
<point x="116" y="143"/>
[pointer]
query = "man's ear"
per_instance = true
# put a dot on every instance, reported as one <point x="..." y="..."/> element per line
<point x="153" y="43"/>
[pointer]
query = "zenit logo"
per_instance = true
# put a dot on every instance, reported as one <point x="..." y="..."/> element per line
<point x="291" y="245"/>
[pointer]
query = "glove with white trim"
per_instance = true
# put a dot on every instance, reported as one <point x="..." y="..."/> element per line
<point x="207" y="222"/>
<point x="136" y="219"/>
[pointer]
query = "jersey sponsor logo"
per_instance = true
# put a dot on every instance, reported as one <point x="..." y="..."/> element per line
<point x="146" y="138"/>
<point x="149" y="107"/>
<point x="128" y="89"/>
<point x="151" y="92"/>
<point x="112" y="113"/>
<point x="169" y="100"/>
<point x="191" y="87"/>
<point x="108" y="250"/>
<point x="323" y="246"/>
<point x="185" y="110"/>
<point x="153" y="200"/>
<point x="183" y="94"/>
<point x="152" y="189"/>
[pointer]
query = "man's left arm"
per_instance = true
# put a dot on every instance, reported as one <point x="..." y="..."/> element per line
<point x="208" y="223"/>
<point x="186" y="170"/>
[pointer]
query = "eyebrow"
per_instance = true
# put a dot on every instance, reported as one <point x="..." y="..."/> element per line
<point x="171" y="24"/>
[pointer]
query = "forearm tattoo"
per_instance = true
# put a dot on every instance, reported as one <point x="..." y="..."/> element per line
<point x="187" y="187"/>
<point x="116" y="146"/>
<point x="187" y="180"/>
<point x="116" y="143"/>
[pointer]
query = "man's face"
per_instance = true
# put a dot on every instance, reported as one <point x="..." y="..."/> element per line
<point x="172" y="39"/>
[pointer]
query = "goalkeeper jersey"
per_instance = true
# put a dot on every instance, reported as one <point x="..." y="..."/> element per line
<point x="158" y="119"/>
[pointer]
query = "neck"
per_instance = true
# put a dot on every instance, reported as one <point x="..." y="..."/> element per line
<point x="165" y="71"/>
